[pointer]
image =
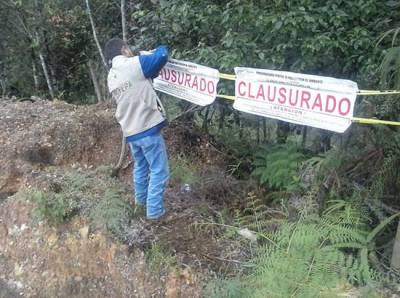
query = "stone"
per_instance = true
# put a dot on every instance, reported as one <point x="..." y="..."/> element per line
<point x="84" y="232"/>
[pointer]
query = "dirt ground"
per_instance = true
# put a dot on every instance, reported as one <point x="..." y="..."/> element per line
<point x="74" y="260"/>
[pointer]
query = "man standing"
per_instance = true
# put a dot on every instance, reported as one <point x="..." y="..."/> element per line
<point x="138" y="113"/>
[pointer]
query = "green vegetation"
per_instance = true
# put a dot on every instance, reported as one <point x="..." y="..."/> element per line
<point x="328" y="203"/>
<point x="277" y="166"/>
<point x="183" y="171"/>
<point x="159" y="258"/>
<point x="113" y="213"/>
<point x="93" y="193"/>
<point x="55" y="207"/>
<point x="310" y="257"/>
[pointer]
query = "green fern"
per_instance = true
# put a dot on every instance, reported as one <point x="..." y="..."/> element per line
<point x="277" y="167"/>
<point x="349" y="230"/>
<point x="390" y="74"/>
<point x="56" y="208"/>
<point x="230" y="288"/>
<point x="113" y="213"/>
<point x="301" y="265"/>
<point x="258" y="217"/>
<point x="312" y="257"/>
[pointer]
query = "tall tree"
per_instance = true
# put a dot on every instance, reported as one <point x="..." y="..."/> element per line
<point x="95" y="33"/>
<point x="44" y="64"/>
<point x="123" y="21"/>
<point x="95" y="81"/>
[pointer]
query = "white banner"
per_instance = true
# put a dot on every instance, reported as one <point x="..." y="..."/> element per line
<point x="316" y="101"/>
<point x="188" y="81"/>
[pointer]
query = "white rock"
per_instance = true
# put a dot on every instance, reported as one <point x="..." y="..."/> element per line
<point x="246" y="233"/>
<point x="23" y="227"/>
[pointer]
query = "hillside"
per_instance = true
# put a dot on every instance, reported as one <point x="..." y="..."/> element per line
<point x="62" y="152"/>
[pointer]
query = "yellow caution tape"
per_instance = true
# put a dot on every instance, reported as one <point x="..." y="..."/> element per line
<point x="374" y="121"/>
<point x="230" y="97"/>
<point x="354" y="119"/>
<point x="227" y="76"/>
<point x="231" y="77"/>
<point x="373" y="92"/>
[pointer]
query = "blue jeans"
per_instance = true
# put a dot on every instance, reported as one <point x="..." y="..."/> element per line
<point x="150" y="173"/>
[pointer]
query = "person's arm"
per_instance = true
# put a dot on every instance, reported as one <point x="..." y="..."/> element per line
<point x="153" y="63"/>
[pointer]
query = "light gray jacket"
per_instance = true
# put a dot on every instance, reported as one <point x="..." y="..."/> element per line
<point x="137" y="102"/>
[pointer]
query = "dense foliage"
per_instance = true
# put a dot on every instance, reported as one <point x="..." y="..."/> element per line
<point x="340" y="191"/>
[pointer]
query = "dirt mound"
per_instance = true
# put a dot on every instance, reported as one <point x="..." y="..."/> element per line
<point x="37" y="260"/>
<point x="46" y="140"/>
<point x="35" y="135"/>
<point x="41" y="134"/>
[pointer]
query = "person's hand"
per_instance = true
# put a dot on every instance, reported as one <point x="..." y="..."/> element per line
<point x="147" y="52"/>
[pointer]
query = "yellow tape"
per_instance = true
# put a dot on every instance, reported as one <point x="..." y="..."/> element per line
<point x="354" y="119"/>
<point x="227" y="76"/>
<point x="368" y="91"/>
<point x="231" y="77"/>
<point x="373" y="92"/>
<point x="230" y="97"/>
<point x="374" y="121"/>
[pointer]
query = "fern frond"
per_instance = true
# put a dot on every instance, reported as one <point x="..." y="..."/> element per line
<point x="380" y="227"/>
<point x="390" y="68"/>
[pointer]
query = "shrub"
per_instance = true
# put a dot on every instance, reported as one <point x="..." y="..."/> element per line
<point x="183" y="171"/>
<point x="113" y="212"/>
<point x="159" y="257"/>
<point x="311" y="257"/>
<point x="56" y="208"/>
<point x="277" y="167"/>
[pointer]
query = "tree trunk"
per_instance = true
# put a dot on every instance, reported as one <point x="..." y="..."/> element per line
<point x="265" y="129"/>
<point x="395" y="262"/>
<point x="282" y="132"/>
<point x="104" y="87"/>
<point x="34" y="72"/>
<point x="123" y="21"/>
<point x="205" y="119"/>
<point x="325" y="143"/>
<point x="94" y="80"/>
<point x="35" y="76"/>
<point x="3" y="88"/>
<point x="95" y="34"/>
<point x="221" y="117"/>
<point x="304" y="137"/>
<point x="240" y="128"/>
<point x="49" y="55"/>
<point x="53" y="77"/>
<point x="46" y="74"/>
<point x="44" y="67"/>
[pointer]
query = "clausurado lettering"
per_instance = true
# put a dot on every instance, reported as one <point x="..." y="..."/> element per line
<point x="295" y="97"/>
<point x="195" y="82"/>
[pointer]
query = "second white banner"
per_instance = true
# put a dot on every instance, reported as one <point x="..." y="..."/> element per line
<point x="321" y="102"/>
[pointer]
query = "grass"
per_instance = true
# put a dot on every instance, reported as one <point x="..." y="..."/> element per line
<point x="56" y="208"/>
<point x="159" y="257"/>
<point x="93" y="194"/>
<point x="184" y="171"/>
<point x="226" y="288"/>
<point x="112" y="213"/>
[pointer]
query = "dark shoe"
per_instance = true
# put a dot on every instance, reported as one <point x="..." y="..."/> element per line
<point x="162" y="219"/>
<point x="139" y="210"/>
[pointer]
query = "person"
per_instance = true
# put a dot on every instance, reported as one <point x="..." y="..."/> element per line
<point x="139" y="112"/>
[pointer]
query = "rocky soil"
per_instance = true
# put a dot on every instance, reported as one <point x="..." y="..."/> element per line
<point x="74" y="259"/>
<point x="41" y="134"/>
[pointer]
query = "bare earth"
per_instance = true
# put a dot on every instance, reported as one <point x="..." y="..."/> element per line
<point x="75" y="260"/>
